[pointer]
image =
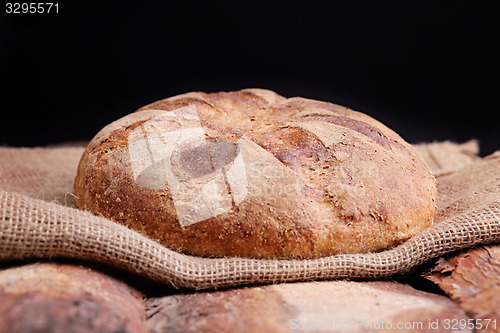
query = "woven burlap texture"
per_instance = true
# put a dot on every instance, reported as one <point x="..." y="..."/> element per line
<point x="38" y="220"/>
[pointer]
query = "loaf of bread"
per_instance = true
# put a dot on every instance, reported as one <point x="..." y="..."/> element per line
<point x="253" y="174"/>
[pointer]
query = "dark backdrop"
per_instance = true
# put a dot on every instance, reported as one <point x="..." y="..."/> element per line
<point x="428" y="70"/>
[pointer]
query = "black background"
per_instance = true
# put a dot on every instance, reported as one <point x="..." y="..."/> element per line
<point x="429" y="70"/>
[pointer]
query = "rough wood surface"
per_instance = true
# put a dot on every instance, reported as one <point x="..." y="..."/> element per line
<point x="64" y="298"/>
<point x="472" y="279"/>
<point x="339" y="306"/>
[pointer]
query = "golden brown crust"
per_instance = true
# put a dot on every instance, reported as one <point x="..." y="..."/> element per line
<point x="317" y="178"/>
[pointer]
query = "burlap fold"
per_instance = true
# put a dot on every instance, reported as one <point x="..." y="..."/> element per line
<point x="37" y="221"/>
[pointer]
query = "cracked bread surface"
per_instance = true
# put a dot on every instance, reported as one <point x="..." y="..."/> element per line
<point x="297" y="178"/>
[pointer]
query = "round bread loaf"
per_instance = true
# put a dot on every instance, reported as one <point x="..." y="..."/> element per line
<point x="253" y="174"/>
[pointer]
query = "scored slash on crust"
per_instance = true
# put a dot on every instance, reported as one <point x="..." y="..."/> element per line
<point x="155" y="151"/>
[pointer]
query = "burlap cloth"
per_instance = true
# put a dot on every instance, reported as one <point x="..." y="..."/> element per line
<point x="38" y="219"/>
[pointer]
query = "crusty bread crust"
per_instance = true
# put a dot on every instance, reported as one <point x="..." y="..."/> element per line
<point x="317" y="179"/>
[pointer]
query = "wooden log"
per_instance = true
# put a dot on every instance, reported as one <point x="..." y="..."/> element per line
<point x="335" y="306"/>
<point x="49" y="297"/>
<point x="472" y="279"/>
